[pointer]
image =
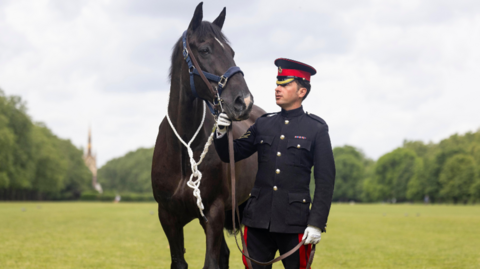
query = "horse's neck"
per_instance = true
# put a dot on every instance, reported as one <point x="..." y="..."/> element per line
<point x="186" y="114"/>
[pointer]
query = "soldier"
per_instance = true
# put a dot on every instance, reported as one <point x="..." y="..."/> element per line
<point x="278" y="215"/>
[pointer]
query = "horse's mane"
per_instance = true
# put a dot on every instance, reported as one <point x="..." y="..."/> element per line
<point x="203" y="30"/>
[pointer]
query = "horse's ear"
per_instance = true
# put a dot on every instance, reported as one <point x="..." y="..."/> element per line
<point x="221" y="18"/>
<point x="197" y="18"/>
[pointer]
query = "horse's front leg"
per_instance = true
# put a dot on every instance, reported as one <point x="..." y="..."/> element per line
<point x="224" y="255"/>
<point x="214" y="234"/>
<point x="224" y="251"/>
<point x="173" y="227"/>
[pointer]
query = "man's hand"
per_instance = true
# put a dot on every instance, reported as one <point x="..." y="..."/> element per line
<point x="312" y="234"/>
<point x="223" y="122"/>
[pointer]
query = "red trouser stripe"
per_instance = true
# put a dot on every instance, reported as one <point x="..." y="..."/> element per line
<point x="245" y="238"/>
<point x="304" y="253"/>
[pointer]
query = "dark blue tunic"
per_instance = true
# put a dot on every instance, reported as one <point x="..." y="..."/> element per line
<point x="289" y="143"/>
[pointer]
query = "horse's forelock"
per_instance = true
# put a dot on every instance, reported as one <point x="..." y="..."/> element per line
<point x="207" y="28"/>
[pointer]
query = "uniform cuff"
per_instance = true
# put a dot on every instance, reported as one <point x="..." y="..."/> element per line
<point x="219" y="133"/>
<point x="324" y="230"/>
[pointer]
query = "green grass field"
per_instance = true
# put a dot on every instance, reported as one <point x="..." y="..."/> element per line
<point x="129" y="235"/>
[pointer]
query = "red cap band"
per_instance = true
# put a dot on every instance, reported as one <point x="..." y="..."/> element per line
<point x="293" y="73"/>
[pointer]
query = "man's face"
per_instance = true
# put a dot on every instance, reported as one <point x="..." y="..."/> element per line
<point x="288" y="96"/>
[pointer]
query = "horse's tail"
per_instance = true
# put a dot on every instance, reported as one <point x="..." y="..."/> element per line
<point x="228" y="225"/>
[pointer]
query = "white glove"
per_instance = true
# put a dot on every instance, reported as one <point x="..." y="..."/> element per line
<point x="222" y="123"/>
<point x="312" y="234"/>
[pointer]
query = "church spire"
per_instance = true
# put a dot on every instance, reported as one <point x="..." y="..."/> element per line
<point x="91" y="162"/>
<point x="89" y="147"/>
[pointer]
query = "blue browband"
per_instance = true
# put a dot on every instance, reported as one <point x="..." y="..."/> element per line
<point x="222" y="81"/>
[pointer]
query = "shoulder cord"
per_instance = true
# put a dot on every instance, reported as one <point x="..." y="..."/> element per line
<point x="195" y="184"/>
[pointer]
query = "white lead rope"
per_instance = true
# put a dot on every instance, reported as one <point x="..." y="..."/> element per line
<point x="195" y="184"/>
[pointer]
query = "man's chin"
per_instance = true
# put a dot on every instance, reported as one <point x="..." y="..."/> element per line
<point x="280" y="104"/>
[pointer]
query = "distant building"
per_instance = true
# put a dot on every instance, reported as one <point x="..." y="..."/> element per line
<point x="91" y="162"/>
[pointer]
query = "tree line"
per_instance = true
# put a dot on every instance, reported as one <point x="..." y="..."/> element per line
<point x="129" y="173"/>
<point x="34" y="163"/>
<point x="447" y="172"/>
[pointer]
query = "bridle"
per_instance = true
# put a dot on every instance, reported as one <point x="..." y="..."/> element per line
<point x="194" y="69"/>
<point x="215" y="106"/>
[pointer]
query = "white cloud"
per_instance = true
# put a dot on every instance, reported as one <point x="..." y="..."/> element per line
<point x="387" y="70"/>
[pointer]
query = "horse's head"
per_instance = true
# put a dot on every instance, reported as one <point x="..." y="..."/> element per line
<point x="214" y="55"/>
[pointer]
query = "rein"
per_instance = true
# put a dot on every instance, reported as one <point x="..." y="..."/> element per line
<point x="194" y="69"/>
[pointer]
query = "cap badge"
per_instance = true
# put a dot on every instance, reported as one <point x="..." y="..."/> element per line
<point x="279" y="70"/>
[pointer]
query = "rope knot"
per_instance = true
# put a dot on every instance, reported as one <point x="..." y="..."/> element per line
<point x="195" y="184"/>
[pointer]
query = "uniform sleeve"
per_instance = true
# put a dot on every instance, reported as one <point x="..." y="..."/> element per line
<point x="324" y="173"/>
<point x="244" y="146"/>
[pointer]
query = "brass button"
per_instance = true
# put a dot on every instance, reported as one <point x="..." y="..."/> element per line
<point x="278" y="171"/>
<point x="261" y="141"/>
<point x="286" y="122"/>
<point x="250" y="194"/>
<point x="304" y="200"/>
<point x="275" y="188"/>
<point x="279" y="154"/>
<point x="298" y="146"/>
<point x="282" y="137"/>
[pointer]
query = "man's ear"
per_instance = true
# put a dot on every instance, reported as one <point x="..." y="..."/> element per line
<point x="302" y="92"/>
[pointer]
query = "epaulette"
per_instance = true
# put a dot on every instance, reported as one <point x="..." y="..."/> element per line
<point x="269" y="114"/>
<point x="315" y="117"/>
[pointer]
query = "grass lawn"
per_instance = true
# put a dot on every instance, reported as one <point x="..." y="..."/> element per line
<point x="129" y="235"/>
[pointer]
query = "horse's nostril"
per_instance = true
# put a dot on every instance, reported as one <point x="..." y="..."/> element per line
<point x="239" y="104"/>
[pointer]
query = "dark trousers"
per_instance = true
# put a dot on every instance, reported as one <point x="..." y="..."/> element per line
<point x="262" y="246"/>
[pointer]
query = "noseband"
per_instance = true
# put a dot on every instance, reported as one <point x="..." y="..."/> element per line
<point x="194" y="69"/>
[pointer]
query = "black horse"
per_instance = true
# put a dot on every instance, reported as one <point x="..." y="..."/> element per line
<point x="171" y="163"/>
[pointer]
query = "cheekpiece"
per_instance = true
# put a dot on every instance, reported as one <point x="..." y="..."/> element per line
<point x="288" y="70"/>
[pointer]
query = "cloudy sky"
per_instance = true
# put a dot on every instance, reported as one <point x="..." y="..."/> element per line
<point x="387" y="70"/>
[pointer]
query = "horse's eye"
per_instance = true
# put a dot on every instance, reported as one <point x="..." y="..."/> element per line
<point x="204" y="51"/>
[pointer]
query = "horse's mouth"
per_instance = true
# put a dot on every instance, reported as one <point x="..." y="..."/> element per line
<point x="245" y="114"/>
